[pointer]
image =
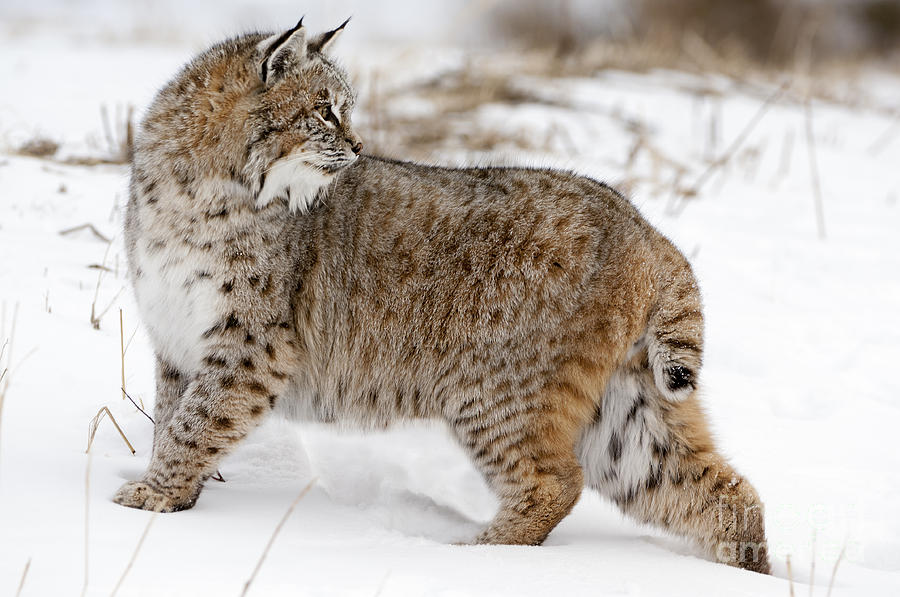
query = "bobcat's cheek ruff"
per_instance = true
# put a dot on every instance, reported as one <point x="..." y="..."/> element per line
<point x="294" y="179"/>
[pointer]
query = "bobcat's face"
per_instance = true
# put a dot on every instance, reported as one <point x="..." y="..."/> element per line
<point x="301" y="128"/>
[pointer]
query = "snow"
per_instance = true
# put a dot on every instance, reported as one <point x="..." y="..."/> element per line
<point x="800" y="380"/>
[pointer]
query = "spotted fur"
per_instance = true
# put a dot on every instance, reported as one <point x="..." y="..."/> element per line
<point x="535" y="312"/>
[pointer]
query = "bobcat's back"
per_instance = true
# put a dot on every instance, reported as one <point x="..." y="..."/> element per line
<point x="483" y="277"/>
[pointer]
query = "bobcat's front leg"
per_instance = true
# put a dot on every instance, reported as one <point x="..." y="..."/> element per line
<point x="244" y="371"/>
<point x="171" y="384"/>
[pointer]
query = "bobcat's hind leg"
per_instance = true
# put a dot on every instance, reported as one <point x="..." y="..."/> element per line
<point x="656" y="460"/>
<point x="701" y="496"/>
<point x="525" y="450"/>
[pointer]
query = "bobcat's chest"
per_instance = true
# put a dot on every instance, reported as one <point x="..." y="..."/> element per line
<point x="178" y="299"/>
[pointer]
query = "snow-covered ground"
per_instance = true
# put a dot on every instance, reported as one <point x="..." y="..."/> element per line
<point x="801" y="377"/>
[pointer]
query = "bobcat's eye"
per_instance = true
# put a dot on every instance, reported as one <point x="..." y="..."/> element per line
<point x="328" y="115"/>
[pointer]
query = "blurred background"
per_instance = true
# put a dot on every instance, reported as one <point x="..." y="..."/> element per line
<point x="480" y="48"/>
<point x="765" y="31"/>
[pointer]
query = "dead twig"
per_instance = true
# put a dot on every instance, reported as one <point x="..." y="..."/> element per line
<point x="87" y="226"/>
<point x="217" y="477"/>
<point x="134" y="554"/>
<point x="262" y="557"/>
<point x="95" y="423"/>
<point x="127" y="395"/>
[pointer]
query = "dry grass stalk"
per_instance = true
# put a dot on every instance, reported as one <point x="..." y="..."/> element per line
<point x="86" y="226"/>
<point x="95" y="321"/>
<point x="7" y="348"/>
<point x="383" y="583"/>
<point x="95" y="317"/>
<point x="95" y="424"/>
<point x="787" y="149"/>
<point x="886" y="137"/>
<point x="120" y="143"/>
<point x="814" y="169"/>
<point x="265" y="553"/>
<point x="812" y="565"/>
<point x="694" y="189"/>
<point x="24" y="575"/>
<point x="137" y="548"/>
<point x="99" y="266"/>
<point x="87" y="513"/>
<point x="130" y="338"/>
<point x="5" y="369"/>
<point x="122" y="347"/>
<point x="790" y="577"/>
<point x="835" y="569"/>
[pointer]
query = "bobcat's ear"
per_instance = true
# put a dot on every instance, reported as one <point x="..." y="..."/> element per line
<point x="323" y="42"/>
<point x="280" y="52"/>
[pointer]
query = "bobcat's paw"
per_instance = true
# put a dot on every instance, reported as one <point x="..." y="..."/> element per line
<point x="137" y="494"/>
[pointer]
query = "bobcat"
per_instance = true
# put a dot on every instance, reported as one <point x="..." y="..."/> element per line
<point x="535" y="312"/>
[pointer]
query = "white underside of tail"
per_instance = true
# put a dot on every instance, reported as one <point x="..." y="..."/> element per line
<point x="616" y="451"/>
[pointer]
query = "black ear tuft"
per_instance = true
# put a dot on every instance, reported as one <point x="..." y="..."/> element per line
<point x="324" y="40"/>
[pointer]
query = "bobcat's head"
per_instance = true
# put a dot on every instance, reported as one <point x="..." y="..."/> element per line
<point x="300" y="126"/>
<point x="270" y="113"/>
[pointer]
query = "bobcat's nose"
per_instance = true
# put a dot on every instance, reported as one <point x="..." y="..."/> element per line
<point x="354" y="142"/>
